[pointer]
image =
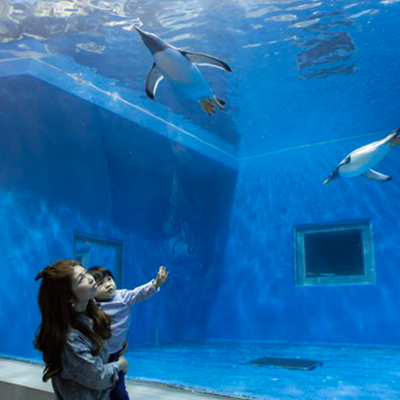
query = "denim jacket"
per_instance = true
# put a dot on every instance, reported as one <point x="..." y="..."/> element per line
<point x="84" y="376"/>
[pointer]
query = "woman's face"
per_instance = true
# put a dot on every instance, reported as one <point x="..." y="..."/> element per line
<point x="84" y="287"/>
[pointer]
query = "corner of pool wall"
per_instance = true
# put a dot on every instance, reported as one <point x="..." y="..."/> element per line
<point x="82" y="82"/>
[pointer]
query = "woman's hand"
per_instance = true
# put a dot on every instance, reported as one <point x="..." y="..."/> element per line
<point x="161" y="277"/>
<point x="123" y="364"/>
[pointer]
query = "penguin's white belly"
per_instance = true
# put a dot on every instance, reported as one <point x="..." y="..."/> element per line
<point x="363" y="159"/>
<point x="182" y="74"/>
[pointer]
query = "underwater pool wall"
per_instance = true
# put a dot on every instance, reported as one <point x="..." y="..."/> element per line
<point x="259" y="299"/>
<point x="83" y="82"/>
<point x="99" y="173"/>
<point x="69" y="166"/>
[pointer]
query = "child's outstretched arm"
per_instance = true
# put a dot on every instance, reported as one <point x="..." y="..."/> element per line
<point x="145" y="291"/>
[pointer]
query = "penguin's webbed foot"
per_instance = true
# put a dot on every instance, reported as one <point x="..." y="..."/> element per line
<point x="394" y="142"/>
<point x="208" y="105"/>
<point x="395" y="138"/>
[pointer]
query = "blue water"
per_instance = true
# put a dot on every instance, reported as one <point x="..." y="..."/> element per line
<point x="84" y="152"/>
<point x="303" y="59"/>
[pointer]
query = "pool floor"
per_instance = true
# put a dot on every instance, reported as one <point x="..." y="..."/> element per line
<point x="348" y="371"/>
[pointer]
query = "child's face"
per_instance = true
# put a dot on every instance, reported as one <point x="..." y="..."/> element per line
<point x="84" y="286"/>
<point x="106" y="289"/>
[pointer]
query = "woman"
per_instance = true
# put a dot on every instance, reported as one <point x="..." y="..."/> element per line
<point x="72" y="333"/>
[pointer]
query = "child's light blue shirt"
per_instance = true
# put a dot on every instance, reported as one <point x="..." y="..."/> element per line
<point x="119" y="308"/>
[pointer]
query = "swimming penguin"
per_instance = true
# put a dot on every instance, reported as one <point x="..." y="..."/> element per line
<point x="360" y="161"/>
<point x="180" y="68"/>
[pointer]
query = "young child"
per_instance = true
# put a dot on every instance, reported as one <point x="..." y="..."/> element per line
<point x="117" y="304"/>
<point x="72" y="333"/>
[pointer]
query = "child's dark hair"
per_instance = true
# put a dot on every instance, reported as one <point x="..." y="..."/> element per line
<point x="58" y="316"/>
<point x="100" y="273"/>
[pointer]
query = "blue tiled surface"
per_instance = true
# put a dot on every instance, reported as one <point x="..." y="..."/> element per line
<point x="349" y="372"/>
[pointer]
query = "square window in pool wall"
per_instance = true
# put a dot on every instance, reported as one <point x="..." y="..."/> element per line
<point x="93" y="251"/>
<point x="334" y="254"/>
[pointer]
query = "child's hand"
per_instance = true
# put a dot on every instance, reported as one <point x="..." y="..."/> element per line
<point x="123" y="364"/>
<point x="161" y="277"/>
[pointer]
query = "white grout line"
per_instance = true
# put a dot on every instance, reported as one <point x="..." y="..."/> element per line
<point x="15" y="59"/>
<point x="312" y="145"/>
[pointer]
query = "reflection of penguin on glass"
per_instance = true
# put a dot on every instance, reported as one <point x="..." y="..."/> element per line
<point x="360" y="161"/>
<point x="180" y="68"/>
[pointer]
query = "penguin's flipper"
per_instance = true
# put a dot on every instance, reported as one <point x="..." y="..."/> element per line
<point x="376" y="176"/>
<point x="205" y="59"/>
<point x="154" y="77"/>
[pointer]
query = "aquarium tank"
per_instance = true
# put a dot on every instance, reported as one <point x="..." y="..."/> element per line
<point x="247" y="145"/>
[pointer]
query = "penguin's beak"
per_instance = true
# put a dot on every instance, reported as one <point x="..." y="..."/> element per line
<point x="146" y="37"/>
<point x="142" y="33"/>
<point x="328" y="180"/>
<point x="152" y="42"/>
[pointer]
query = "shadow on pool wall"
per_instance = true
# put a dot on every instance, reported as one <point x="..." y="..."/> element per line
<point x="259" y="299"/>
<point x="68" y="166"/>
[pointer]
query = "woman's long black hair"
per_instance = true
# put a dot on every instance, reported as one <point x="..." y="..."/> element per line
<point x="58" y="316"/>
